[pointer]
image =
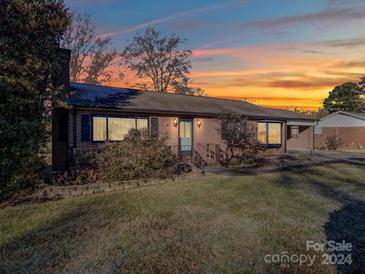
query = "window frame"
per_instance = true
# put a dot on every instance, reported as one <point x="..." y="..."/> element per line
<point x="267" y="145"/>
<point x="107" y="124"/>
<point x="294" y="135"/>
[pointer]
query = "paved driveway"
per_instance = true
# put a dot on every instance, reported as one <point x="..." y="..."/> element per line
<point x="350" y="156"/>
<point x="318" y="158"/>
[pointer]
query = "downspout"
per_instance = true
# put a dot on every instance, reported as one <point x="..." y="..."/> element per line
<point x="286" y="136"/>
<point x="314" y="139"/>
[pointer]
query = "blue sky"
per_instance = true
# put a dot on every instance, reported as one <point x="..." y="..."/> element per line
<point x="280" y="53"/>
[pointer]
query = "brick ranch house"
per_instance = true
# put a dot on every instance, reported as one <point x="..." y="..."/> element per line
<point x="348" y="127"/>
<point x="96" y="114"/>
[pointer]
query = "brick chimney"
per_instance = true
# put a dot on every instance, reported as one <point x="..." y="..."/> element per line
<point x="63" y="76"/>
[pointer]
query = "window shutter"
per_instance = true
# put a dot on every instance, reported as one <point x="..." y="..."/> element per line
<point x="154" y="126"/>
<point x="85" y="128"/>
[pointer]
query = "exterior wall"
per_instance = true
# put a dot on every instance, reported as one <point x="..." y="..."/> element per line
<point x="349" y="130"/>
<point x="302" y="141"/>
<point x="207" y="133"/>
<point x="349" y="137"/>
<point x="60" y="149"/>
<point x="167" y="129"/>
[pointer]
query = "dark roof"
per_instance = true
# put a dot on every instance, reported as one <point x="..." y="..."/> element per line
<point x="124" y="99"/>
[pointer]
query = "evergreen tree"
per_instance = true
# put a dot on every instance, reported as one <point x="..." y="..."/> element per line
<point x="346" y="97"/>
<point x="30" y="31"/>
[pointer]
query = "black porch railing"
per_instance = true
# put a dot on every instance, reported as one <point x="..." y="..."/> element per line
<point x="208" y="152"/>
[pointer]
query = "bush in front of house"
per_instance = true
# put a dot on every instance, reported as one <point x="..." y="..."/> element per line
<point x="332" y="142"/>
<point x="138" y="156"/>
<point x="240" y="140"/>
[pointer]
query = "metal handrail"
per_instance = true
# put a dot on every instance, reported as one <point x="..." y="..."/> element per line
<point x="216" y="155"/>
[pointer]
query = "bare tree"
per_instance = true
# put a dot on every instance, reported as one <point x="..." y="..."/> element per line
<point x="91" y="57"/>
<point x="240" y="138"/>
<point x="161" y="62"/>
<point x="184" y="87"/>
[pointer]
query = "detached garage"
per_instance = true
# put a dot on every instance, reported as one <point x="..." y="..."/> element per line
<point x="347" y="127"/>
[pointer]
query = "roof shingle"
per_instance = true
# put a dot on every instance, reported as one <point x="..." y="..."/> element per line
<point x="95" y="96"/>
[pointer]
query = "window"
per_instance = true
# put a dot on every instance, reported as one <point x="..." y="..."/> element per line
<point x="118" y="128"/>
<point x="274" y="133"/>
<point x="294" y="131"/>
<point x="269" y="134"/>
<point x="99" y="129"/>
<point x="261" y="133"/>
<point x="142" y="124"/>
<point x="317" y="130"/>
<point x="115" y="128"/>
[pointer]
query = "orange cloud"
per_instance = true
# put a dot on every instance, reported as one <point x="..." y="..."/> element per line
<point x="276" y="75"/>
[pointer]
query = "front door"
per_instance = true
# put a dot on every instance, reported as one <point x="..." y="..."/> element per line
<point x="185" y="137"/>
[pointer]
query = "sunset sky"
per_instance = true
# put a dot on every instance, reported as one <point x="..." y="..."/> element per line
<point x="278" y="53"/>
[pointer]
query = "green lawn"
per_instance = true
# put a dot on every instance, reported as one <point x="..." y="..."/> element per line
<point x="209" y="224"/>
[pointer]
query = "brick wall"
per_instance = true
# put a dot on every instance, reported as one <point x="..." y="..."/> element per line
<point x="301" y="141"/>
<point x="167" y="129"/>
<point x="350" y="137"/>
<point x="207" y="133"/>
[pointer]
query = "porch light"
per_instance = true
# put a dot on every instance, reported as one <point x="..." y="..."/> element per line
<point x="175" y="122"/>
<point x="199" y="123"/>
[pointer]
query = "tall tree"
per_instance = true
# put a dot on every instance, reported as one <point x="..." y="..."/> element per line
<point x="346" y="97"/>
<point x="29" y="42"/>
<point x="91" y="57"/>
<point x="162" y="63"/>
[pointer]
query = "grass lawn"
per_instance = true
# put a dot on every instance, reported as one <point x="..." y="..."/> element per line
<point x="209" y="224"/>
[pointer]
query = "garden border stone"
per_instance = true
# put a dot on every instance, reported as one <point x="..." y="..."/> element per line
<point x="54" y="191"/>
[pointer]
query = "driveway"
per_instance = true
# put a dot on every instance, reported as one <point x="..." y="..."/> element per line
<point x="318" y="158"/>
<point x="349" y="156"/>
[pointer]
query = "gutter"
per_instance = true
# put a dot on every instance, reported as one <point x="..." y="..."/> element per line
<point x="266" y="118"/>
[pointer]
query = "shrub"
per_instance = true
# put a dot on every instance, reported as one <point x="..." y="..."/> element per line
<point x="80" y="176"/>
<point x="240" y="139"/>
<point x="332" y="142"/>
<point x="138" y="156"/>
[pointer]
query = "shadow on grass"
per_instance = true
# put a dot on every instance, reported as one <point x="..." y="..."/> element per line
<point x="345" y="224"/>
<point x="45" y="248"/>
<point x="253" y="172"/>
<point x="348" y="224"/>
<point x="57" y="243"/>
